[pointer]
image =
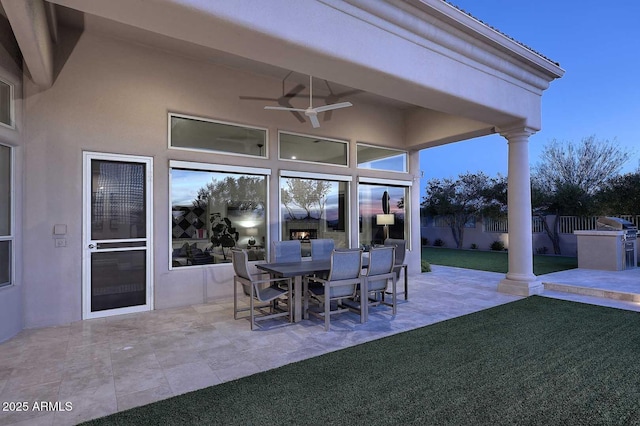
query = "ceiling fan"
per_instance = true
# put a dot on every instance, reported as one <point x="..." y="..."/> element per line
<point x="312" y="112"/>
<point x="285" y="99"/>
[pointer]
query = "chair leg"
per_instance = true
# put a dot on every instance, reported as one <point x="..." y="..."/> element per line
<point x="305" y="295"/>
<point x="327" y="307"/>
<point x="235" y="299"/>
<point x="253" y="322"/>
<point x="394" y="296"/>
<point x="289" y="302"/>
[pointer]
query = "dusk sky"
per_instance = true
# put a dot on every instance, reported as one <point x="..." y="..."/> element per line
<point x="597" y="43"/>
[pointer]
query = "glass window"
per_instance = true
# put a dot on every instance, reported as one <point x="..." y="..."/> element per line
<point x="209" y="135"/>
<point x="313" y="149"/>
<point x="314" y="208"/>
<point x="215" y="211"/>
<point x="382" y="211"/>
<point x="6" y="104"/>
<point x="374" y="157"/>
<point x="6" y="210"/>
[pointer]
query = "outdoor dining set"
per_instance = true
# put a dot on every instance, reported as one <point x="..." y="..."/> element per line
<point x="332" y="281"/>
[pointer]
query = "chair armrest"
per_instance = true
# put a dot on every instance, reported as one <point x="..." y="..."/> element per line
<point x="270" y="280"/>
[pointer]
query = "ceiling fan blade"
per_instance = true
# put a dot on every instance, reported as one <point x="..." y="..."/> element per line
<point x="257" y="98"/>
<point x="294" y="92"/>
<point x="314" y="121"/>
<point x="278" y="108"/>
<point x="333" y="106"/>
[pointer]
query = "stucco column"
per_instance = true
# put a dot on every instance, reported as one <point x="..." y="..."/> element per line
<point x="520" y="279"/>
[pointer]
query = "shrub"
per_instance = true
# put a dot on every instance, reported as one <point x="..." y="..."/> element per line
<point x="497" y="245"/>
<point x="425" y="266"/>
<point x="474" y="246"/>
<point x="542" y="250"/>
<point x="425" y="242"/>
<point x="438" y="243"/>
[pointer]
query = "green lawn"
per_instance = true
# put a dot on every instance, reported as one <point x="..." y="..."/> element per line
<point x="493" y="261"/>
<point x="536" y="361"/>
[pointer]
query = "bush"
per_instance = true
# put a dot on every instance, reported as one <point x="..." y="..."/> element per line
<point x="474" y="246"/>
<point x="425" y="242"/>
<point x="497" y="245"/>
<point x="542" y="250"/>
<point x="425" y="266"/>
<point x="438" y="243"/>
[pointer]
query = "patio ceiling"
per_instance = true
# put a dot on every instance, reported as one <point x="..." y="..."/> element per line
<point x="452" y="76"/>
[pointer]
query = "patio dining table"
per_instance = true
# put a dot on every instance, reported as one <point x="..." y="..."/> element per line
<point x="297" y="270"/>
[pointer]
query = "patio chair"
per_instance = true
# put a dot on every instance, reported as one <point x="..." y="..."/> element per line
<point x="342" y="283"/>
<point x="401" y="249"/>
<point x="321" y="249"/>
<point x="380" y="271"/>
<point x="287" y="251"/>
<point x="265" y="291"/>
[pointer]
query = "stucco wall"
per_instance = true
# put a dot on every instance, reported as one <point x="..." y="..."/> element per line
<point x="113" y="96"/>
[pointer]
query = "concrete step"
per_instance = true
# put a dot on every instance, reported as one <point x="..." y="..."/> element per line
<point x="593" y="292"/>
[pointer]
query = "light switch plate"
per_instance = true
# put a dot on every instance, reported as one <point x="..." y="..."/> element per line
<point x="59" y="229"/>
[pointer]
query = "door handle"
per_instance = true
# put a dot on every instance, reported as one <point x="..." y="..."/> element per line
<point x="91" y="246"/>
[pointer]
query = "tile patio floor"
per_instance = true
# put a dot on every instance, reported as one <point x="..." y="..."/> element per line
<point x="107" y="365"/>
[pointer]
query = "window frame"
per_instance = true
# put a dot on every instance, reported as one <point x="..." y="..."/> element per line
<point x="285" y="174"/>
<point x="12" y="211"/>
<point x="12" y="105"/>
<point x="399" y="151"/>
<point x="342" y="141"/>
<point x="406" y="185"/>
<point x="216" y="168"/>
<point x="214" y="151"/>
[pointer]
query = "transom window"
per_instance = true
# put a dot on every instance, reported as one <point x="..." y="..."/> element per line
<point x="215" y="208"/>
<point x="6" y="103"/>
<point x="295" y="147"/>
<point x="375" y="157"/>
<point x="201" y="134"/>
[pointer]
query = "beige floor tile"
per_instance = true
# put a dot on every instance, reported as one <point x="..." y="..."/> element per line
<point x="147" y="396"/>
<point x="115" y="363"/>
<point x="189" y="377"/>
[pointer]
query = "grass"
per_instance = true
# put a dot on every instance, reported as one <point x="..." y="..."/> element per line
<point x="493" y="261"/>
<point x="536" y="361"/>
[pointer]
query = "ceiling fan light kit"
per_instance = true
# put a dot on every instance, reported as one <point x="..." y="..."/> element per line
<point x="312" y="112"/>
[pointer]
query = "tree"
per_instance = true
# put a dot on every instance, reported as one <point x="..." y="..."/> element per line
<point x="457" y="202"/>
<point x="620" y="195"/>
<point x="569" y="175"/>
<point x="306" y="194"/>
<point x="585" y="165"/>
<point x="495" y="198"/>
<point x="243" y="193"/>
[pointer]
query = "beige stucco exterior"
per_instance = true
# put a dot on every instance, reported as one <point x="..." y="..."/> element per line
<point x="429" y="74"/>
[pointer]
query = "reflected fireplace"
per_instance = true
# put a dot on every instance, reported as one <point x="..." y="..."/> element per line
<point x="303" y="234"/>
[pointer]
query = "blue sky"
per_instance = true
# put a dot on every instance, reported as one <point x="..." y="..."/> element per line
<point x="597" y="43"/>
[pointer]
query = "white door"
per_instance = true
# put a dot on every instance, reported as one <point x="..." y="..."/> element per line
<point x="117" y="230"/>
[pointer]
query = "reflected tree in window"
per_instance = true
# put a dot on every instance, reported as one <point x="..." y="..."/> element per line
<point x="307" y="195"/>
<point x="214" y="211"/>
<point x="243" y="193"/>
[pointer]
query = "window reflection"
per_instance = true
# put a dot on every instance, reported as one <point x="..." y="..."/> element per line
<point x="209" y="135"/>
<point x="373" y="157"/>
<point x="313" y="208"/>
<point x="373" y="201"/>
<point x="313" y="149"/>
<point x="213" y="212"/>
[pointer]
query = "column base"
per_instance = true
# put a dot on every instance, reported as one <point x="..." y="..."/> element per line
<point x="520" y="288"/>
